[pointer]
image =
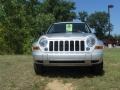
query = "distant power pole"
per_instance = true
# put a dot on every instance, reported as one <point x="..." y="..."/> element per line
<point x="109" y="26"/>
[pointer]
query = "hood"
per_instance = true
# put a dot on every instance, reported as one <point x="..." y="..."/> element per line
<point x="68" y="35"/>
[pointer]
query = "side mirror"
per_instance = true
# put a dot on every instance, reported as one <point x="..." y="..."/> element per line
<point x="33" y="40"/>
<point x="95" y="33"/>
<point x="43" y="33"/>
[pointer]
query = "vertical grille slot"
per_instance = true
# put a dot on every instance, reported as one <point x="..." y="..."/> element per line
<point x="56" y="46"/>
<point x="71" y="45"/>
<point x="82" y="46"/>
<point x="51" y="46"/>
<point x="66" y="46"/>
<point x="77" y="45"/>
<point x="61" y="46"/>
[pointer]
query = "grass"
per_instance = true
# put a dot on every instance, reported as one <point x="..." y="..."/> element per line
<point x="16" y="73"/>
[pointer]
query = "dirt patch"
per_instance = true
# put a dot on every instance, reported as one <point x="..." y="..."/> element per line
<point x="59" y="85"/>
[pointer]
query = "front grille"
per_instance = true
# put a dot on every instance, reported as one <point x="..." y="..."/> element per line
<point x="51" y="46"/>
<point x="71" y="45"/>
<point x="60" y="46"/>
<point x="66" y="45"/>
<point x="56" y="46"/>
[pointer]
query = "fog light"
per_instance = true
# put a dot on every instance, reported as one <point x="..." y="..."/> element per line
<point x="87" y="48"/>
<point x="46" y="49"/>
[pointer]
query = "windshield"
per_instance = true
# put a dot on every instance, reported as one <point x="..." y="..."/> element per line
<point x="69" y="28"/>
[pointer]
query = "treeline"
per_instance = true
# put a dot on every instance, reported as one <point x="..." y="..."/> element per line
<point x="23" y="21"/>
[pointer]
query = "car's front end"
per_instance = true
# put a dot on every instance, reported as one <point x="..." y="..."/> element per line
<point x="68" y="49"/>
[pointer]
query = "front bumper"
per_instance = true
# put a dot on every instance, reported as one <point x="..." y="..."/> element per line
<point x="67" y="58"/>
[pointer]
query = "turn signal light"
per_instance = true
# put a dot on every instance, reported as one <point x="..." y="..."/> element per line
<point x="99" y="47"/>
<point x="35" y="48"/>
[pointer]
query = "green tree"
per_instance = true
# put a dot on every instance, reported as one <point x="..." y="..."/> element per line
<point x="61" y="9"/>
<point x="98" y="21"/>
<point x="15" y="25"/>
<point x="117" y="37"/>
<point x="21" y="21"/>
<point x="41" y="24"/>
<point x="83" y="16"/>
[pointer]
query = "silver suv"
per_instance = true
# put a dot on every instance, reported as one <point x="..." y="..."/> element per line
<point x="68" y="44"/>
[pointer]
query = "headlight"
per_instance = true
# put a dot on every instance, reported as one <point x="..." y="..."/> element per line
<point x="43" y="42"/>
<point x="90" y="41"/>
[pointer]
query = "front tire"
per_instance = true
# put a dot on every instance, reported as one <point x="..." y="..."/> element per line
<point x="97" y="69"/>
<point x="39" y="69"/>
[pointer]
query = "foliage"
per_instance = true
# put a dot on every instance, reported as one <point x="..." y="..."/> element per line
<point x="22" y="21"/>
<point x="117" y="37"/>
<point x="97" y="21"/>
<point x="83" y="16"/>
<point x="61" y="9"/>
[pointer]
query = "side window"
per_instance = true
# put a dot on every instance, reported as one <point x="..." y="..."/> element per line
<point x="51" y="29"/>
<point x="87" y="29"/>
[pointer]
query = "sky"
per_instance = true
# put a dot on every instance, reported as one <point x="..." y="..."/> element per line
<point x="101" y="5"/>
